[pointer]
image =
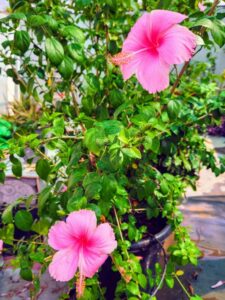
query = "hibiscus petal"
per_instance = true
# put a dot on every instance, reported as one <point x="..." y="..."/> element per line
<point x="201" y="6"/>
<point x="82" y="223"/>
<point x="64" y="264"/>
<point x="59" y="236"/>
<point x="161" y="20"/>
<point x="90" y="262"/>
<point x="177" y="45"/>
<point x="153" y="73"/>
<point x="130" y="68"/>
<point x="137" y="38"/>
<point x="144" y="36"/>
<point x="136" y="41"/>
<point x="103" y="241"/>
<point x="1" y="245"/>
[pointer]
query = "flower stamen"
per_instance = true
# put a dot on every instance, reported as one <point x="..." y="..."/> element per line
<point x="120" y="58"/>
<point x="80" y="285"/>
<point x="123" y="58"/>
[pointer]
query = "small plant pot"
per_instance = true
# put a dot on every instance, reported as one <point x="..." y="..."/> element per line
<point x="149" y="249"/>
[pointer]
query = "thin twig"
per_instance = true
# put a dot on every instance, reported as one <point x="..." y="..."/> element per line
<point x="74" y="98"/>
<point x="119" y="228"/>
<point x="64" y="137"/>
<point x="182" y="286"/>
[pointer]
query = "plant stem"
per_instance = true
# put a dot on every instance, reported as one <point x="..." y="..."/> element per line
<point x="182" y="286"/>
<point x="18" y="77"/>
<point x="119" y="228"/>
<point x="74" y="98"/>
<point x="185" y="66"/>
<point x="28" y="242"/>
<point x="64" y="137"/>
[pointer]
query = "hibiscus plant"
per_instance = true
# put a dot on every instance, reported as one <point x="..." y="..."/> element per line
<point x="117" y="135"/>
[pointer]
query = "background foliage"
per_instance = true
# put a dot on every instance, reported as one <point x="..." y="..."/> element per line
<point x="118" y="150"/>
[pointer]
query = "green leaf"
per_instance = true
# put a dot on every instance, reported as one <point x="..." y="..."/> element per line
<point x="43" y="168"/>
<point x="142" y="280"/>
<point x="93" y="82"/>
<point x="37" y="256"/>
<point x="43" y="197"/>
<point x="218" y="32"/>
<point x="26" y="274"/>
<point x="109" y="186"/>
<point x="133" y="288"/>
<point x="18" y="16"/>
<point x="92" y="190"/>
<point x="3" y="145"/>
<point x="173" y="108"/>
<point x="59" y="126"/>
<point x="76" y="52"/>
<point x="36" y="284"/>
<point x="113" y="48"/>
<point x="23" y="220"/>
<point x="94" y="140"/>
<point x="16" y="166"/>
<point x="132" y="152"/>
<point x="111" y="127"/>
<point x="16" y="4"/>
<point x="155" y="145"/>
<point x="5" y="129"/>
<point x="91" y="178"/>
<point x="196" y="297"/>
<point x="41" y="226"/>
<point x="217" y="28"/>
<point x="66" y="67"/>
<point x="116" y="158"/>
<point x="204" y="22"/>
<point x="163" y="4"/>
<point x="7" y="234"/>
<point x="170" y="281"/>
<point x="17" y="170"/>
<point x="199" y="40"/>
<point x="123" y="136"/>
<point x="2" y="173"/>
<point x="164" y="187"/>
<point x="7" y="216"/>
<point x="52" y="23"/>
<point x="76" y="176"/>
<point x="77" y="201"/>
<point x="54" y="50"/>
<point x="21" y="40"/>
<point x="92" y="185"/>
<point x="73" y="32"/>
<point x="36" y="21"/>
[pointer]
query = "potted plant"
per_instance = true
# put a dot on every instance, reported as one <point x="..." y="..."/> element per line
<point x="125" y="148"/>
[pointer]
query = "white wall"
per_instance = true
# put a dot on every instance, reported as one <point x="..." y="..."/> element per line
<point x="8" y="90"/>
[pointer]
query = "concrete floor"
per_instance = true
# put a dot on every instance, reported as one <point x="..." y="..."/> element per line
<point x="204" y="213"/>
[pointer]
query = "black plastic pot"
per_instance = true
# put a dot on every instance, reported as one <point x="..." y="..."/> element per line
<point x="150" y="249"/>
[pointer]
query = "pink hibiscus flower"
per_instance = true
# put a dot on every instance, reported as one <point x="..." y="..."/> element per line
<point x="80" y="244"/>
<point x="154" y="44"/>
<point x="1" y="245"/>
<point x="201" y="6"/>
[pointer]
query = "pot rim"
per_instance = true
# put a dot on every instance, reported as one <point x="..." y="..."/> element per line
<point x="159" y="237"/>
